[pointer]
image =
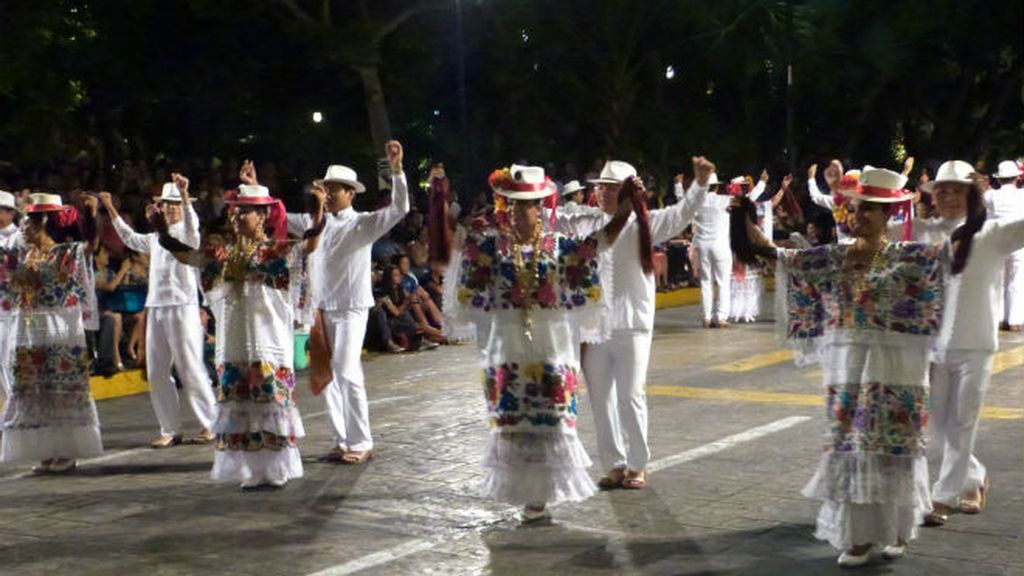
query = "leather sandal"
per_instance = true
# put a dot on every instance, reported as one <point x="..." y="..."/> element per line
<point x="351" y="458"/>
<point x="975" y="506"/>
<point x="613" y="479"/>
<point x="334" y="456"/>
<point x="166" y="441"/>
<point x="634" y="480"/>
<point x="204" y="437"/>
<point x="61" y="465"/>
<point x="938" y="516"/>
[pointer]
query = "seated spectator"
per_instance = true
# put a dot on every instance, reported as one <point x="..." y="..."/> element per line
<point x="107" y="283"/>
<point x="424" y="310"/>
<point x="396" y="303"/>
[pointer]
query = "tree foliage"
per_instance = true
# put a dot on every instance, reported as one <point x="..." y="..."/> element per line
<point x="566" y="82"/>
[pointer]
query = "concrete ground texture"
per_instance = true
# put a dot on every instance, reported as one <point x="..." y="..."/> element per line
<point x="735" y="431"/>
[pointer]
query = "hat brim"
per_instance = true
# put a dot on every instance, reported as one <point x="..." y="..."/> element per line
<point x="39" y="208"/>
<point x="1002" y="175"/>
<point x="532" y="195"/>
<point x="854" y="195"/>
<point x="357" y="185"/>
<point x="252" y="201"/>
<point x="929" y="186"/>
<point x="605" y="181"/>
<point x="572" y="191"/>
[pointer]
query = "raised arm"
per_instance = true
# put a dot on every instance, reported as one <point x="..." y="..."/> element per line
<point x="311" y="237"/>
<point x="669" y="222"/>
<point x="189" y="216"/>
<point x="132" y="239"/>
<point x="823" y="200"/>
<point x="377" y="224"/>
<point x="90" y="208"/>
<point x="758" y="188"/>
<point x="1009" y="236"/>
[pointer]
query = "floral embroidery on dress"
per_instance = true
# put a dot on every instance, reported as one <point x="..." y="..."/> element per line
<point x="877" y="418"/>
<point x="54" y="281"/>
<point x="567" y="274"/>
<point x="254" y="440"/>
<point x="538" y="393"/>
<point x="259" y="382"/>
<point x="904" y="294"/>
<point x="269" y="264"/>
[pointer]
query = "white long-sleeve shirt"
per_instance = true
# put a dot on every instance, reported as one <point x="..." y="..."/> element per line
<point x="10" y="236"/>
<point x="974" y="297"/>
<point x="823" y="200"/>
<point x="171" y="283"/>
<point x="712" y="220"/>
<point x="343" y="261"/>
<point x="1005" y="203"/>
<point x="631" y="305"/>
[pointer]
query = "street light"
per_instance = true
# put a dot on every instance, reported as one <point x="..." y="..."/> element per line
<point x="318" y="117"/>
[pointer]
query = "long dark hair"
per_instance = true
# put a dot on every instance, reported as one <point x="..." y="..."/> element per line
<point x="739" y="238"/>
<point x="964" y="235"/>
<point x="393" y="289"/>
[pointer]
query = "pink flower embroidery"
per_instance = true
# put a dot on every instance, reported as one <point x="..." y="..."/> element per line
<point x="546" y="294"/>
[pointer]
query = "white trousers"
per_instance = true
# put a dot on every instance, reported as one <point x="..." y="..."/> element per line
<point x="616" y="375"/>
<point x="1013" y="289"/>
<point x="174" y="337"/>
<point x="347" y="411"/>
<point x="8" y="332"/>
<point x="715" y="269"/>
<point x="957" y="389"/>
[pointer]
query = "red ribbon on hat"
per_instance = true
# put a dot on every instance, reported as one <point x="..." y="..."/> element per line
<point x="526" y="187"/>
<point x="879" y="192"/>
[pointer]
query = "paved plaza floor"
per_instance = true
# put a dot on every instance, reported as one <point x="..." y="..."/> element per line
<point x="735" y="430"/>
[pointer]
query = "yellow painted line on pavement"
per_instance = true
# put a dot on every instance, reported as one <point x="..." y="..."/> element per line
<point x="681" y="297"/>
<point x="1008" y="359"/>
<point x="121" y="384"/>
<point x="789" y="399"/>
<point x="756" y="361"/>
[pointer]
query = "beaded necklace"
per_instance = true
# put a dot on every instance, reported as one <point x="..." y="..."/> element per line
<point x="528" y="278"/>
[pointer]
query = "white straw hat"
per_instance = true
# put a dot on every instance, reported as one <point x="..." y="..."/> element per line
<point x="956" y="171"/>
<point x="345" y="175"/>
<point x="615" y="172"/>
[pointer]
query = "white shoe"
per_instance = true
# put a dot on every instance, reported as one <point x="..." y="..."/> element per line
<point x="278" y="482"/>
<point x="534" y="515"/>
<point x="252" y="482"/>
<point x="894" y="551"/>
<point x="847" y="560"/>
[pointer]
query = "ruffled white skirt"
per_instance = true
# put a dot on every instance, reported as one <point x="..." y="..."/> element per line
<point x="869" y="498"/>
<point x="240" y="457"/>
<point x="536" y="467"/>
<point x="745" y="303"/>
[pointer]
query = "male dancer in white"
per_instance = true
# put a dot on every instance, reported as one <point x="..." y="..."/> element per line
<point x="616" y="369"/>
<point x="174" y="333"/>
<point x="344" y="295"/>
<point x="711" y="239"/>
<point x="1007" y="203"/>
<point x="10" y="236"/>
<point x="969" y="336"/>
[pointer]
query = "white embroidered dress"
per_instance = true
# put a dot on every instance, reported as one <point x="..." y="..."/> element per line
<point x="872" y="338"/>
<point x="258" y="424"/>
<point x="51" y="302"/>
<point x="531" y="370"/>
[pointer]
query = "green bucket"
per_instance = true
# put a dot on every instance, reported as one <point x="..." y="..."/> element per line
<point x="301" y="355"/>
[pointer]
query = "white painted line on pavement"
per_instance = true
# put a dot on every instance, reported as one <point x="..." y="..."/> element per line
<point x="371" y="402"/>
<point x="725" y="443"/>
<point x="385" y="556"/>
<point x="133" y="451"/>
<point x="413" y="546"/>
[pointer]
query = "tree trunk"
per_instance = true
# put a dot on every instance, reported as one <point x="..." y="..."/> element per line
<point x="376" y="107"/>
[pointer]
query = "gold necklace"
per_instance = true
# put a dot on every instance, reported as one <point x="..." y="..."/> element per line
<point x="528" y="279"/>
<point x="241" y="254"/>
<point x="875" y="263"/>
